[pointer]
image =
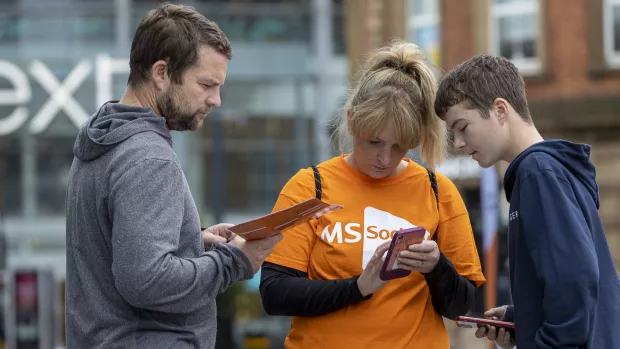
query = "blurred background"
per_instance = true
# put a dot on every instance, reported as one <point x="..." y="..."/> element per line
<point x="61" y="59"/>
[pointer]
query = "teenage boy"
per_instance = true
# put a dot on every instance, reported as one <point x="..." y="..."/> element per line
<point x="565" y="287"/>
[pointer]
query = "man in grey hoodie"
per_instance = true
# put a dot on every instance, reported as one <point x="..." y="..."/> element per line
<point x="140" y="272"/>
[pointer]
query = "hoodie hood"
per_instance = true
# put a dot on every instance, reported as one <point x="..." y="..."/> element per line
<point x="573" y="156"/>
<point x="113" y="124"/>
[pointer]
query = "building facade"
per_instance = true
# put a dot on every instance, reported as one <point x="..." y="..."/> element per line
<point x="60" y="60"/>
<point x="569" y="55"/>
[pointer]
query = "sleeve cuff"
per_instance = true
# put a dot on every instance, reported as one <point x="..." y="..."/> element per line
<point x="356" y="295"/>
<point x="509" y="316"/>
<point x="239" y="258"/>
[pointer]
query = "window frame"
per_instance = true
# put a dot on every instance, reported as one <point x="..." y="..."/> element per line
<point x="612" y="56"/>
<point x="527" y="66"/>
<point x="416" y="20"/>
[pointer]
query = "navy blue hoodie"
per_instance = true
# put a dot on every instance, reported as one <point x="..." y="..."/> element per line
<point x="565" y="287"/>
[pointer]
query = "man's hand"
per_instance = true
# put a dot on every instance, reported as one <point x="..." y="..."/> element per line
<point x="370" y="282"/>
<point x="422" y="257"/>
<point x="217" y="233"/>
<point x="256" y="250"/>
<point x="500" y="336"/>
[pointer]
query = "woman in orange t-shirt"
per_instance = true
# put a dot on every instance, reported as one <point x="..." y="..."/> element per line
<point x="326" y="273"/>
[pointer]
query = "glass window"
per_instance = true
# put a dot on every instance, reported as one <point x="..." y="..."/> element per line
<point x="84" y="23"/>
<point x="251" y="21"/>
<point x="617" y="29"/>
<point x="250" y="1"/>
<point x="515" y="32"/>
<point x="9" y="30"/>
<point x="339" y="24"/>
<point x="611" y="30"/>
<point x="424" y="7"/>
<point x="54" y="157"/>
<point x="517" y="37"/>
<point x="51" y="44"/>
<point x="259" y="155"/>
<point x="424" y="27"/>
<point x="10" y="175"/>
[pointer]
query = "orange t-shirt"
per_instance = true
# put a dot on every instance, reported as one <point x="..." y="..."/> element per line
<point x="339" y="244"/>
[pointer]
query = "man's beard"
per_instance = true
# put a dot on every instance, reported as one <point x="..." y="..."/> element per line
<point x="177" y="117"/>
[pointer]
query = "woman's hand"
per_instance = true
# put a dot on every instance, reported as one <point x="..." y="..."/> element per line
<point x="422" y="257"/>
<point x="370" y="282"/>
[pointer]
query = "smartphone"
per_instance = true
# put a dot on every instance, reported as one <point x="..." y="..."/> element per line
<point x="401" y="241"/>
<point x="471" y="322"/>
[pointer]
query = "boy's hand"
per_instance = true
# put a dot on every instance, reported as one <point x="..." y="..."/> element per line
<point x="500" y="336"/>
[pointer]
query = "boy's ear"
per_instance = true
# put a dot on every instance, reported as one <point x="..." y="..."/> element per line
<point x="501" y="108"/>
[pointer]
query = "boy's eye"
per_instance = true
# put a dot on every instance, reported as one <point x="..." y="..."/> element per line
<point x="374" y="142"/>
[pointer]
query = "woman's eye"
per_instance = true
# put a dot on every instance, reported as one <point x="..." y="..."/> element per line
<point x="463" y="128"/>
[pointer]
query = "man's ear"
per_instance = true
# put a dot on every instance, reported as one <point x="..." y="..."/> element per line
<point x="159" y="74"/>
<point x="501" y="108"/>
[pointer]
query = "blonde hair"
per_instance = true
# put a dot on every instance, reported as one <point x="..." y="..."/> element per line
<point x="395" y="84"/>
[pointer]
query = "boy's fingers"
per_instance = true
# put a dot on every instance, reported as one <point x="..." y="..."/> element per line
<point x="506" y="337"/>
<point x="492" y="312"/>
<point x="492" y="335"/>
<point x="481" y="332"/>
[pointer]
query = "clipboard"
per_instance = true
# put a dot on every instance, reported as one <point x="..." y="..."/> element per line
<point x="279" y="221"/>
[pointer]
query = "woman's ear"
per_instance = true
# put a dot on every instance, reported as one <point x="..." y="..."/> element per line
<point x="349" y="117"/>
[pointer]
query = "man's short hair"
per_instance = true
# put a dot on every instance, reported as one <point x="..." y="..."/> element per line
<point x="173" y="33"/>
<point x="478" y="82"/>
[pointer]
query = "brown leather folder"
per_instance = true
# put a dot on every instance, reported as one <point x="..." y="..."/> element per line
<point x="277" y="222"/>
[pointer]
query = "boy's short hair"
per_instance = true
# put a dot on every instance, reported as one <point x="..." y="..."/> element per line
<point x="478" y="82"/>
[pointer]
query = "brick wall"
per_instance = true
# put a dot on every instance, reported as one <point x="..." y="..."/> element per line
<point x="575" y="96"/>
<point x="569" y="54"/>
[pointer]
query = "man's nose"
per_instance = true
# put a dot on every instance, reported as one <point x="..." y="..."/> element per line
<point x="214" y="99"/>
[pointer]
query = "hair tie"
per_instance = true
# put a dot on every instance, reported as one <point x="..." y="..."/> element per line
<point x="397" y="66"/>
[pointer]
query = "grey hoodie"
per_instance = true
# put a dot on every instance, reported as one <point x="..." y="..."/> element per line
<point x="138" y="275"/>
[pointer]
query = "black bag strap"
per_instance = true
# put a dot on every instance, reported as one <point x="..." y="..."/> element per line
<point x="433" y="179"/>
<point x="431" y="175"/>
<point x="317" y="183"/>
